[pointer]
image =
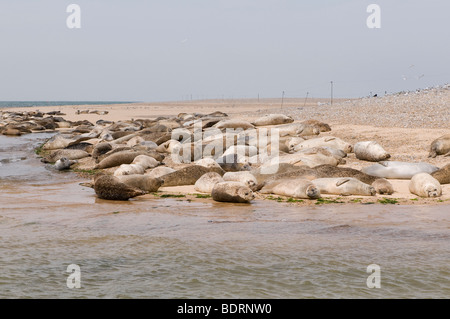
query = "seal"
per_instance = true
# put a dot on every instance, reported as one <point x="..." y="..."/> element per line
<point x="233" y="192"/>
<point x="344" y="186"/>
<point x="329" y="141"/>
<point x="64" y="163"/>
<point x="244" y="177"/>
<point x="205" y="184"/>
<point x="100" y="149"/>
<point x="129" y="169"/>
<point x="297" y="129"/>
<point x="443" y="175"/>
<point x="234" y="124"/>
<point x="381" y="185"/>
<point x="425" y="185"/>
<point x="370" y="151"/>
<point x="67" y="153"/>
<point x="145" y="161"/>
<point x="189" y="175"/>
<point x="398" y="170"/>
<point x="124" y="157"/>
<point x="323" y="127"/>
<point x="143" y="182"/>
<point x="295" y="188"/>
<point x="273" y="119"/>
<point x="110" y="188"/>
<point x="233" y="163"/>
<point x="440" y="146"/>
<point x="207" y="162"/>
<point x="160" y="171"/>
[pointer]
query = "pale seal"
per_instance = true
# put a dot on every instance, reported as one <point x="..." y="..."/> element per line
<point x="425" y="185"/>
<point x="273" y="119"/>
<point x="64" y="163"/>
<point x="370" y="151"/>
<point x="398" y="170"/>
<point x="344" y="186"/>
<point x="244" y="177"/>
<point x="295" y="188"/>
<point x="110" y="188"/>
<point x="145" y="161"/>
<point x="234" y="124"/>
<point x="67" y="153"/>
<point x="329" y="141"/>
<point x="233" y="192"/>
<point x="205" y="184"/>
<point x="129" y="169"/>
<point x="443" y="174"/>
<point x="440" y="146"/>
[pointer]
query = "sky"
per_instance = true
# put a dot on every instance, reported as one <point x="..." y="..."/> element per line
<point x="143" y="50"/>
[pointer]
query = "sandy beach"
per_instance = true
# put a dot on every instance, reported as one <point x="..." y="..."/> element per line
<point x="405" y="124"/>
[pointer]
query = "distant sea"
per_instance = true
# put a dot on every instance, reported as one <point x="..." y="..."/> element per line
<point x="4" y="104"/>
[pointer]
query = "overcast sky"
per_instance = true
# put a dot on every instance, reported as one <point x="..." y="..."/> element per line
<point x="140" y="50"/>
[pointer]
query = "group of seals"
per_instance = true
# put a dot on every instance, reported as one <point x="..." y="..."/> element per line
<point x="136" y="157"/>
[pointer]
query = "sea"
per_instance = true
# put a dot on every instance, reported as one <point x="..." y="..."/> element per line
<point x="58" y="240"/>
<point x="7" y="104"/>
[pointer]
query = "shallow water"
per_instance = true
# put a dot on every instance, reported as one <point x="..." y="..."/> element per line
<point x="171" y="248"/>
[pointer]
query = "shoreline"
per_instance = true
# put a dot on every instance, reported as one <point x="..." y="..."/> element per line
<point x="409" y="143"/>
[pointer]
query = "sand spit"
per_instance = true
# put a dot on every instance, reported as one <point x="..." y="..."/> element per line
<point x="405" y="124"/>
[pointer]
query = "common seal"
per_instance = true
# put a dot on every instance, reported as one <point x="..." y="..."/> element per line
<point x="443" y="174"/>
<point x="323" y="127"/>
<point x="296" y="188"/>
<point x="330" y="141"/>
<point x="145" y="161"/>
<point x="344" y="186"/>
<point x="125" y="157"/>
<point x="244" y="177"/>
<point x="160" y="171"/>
<point x="110" y="188"/>
<point x="67" y="153"/>
<point x="370" y="151"/>
<point x="273" y="119"/>
<point x="233" y="163"/>
<point x="64" y="163"/>
<point x="398" y="170"/>
<point x="207" y="162"/>
<point x="205" y="184"/>
<point x="297" y="129"/>
<point x="234" y="124"/>
<point x="129" y="169"/>
<point x="440" y="146"/>
<point x="189" y="175"/>
<point x="100" y="149"/>
<point x="233" y="192"/>
<point x="425" y="185"/>
<point x="142" y="182"/>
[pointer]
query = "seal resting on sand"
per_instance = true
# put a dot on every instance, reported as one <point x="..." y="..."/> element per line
<point x="244" y="177"/>
<point x="398" y="170"/>
<point x="296" y="188"/>
<point x="273" y="119"/>
<point x="111" y="188"/>
<point x="233" y="192"/>
<point x="370" y="151"/>
<point x="440" y="146"/>
<point x="425" y="185"/>
<point x="189" y="175"/>
<point x="344" y="186"/>
<point x="142" y="182"/>
<point x="443" y="175"/>
<point x="206" y="183"/>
